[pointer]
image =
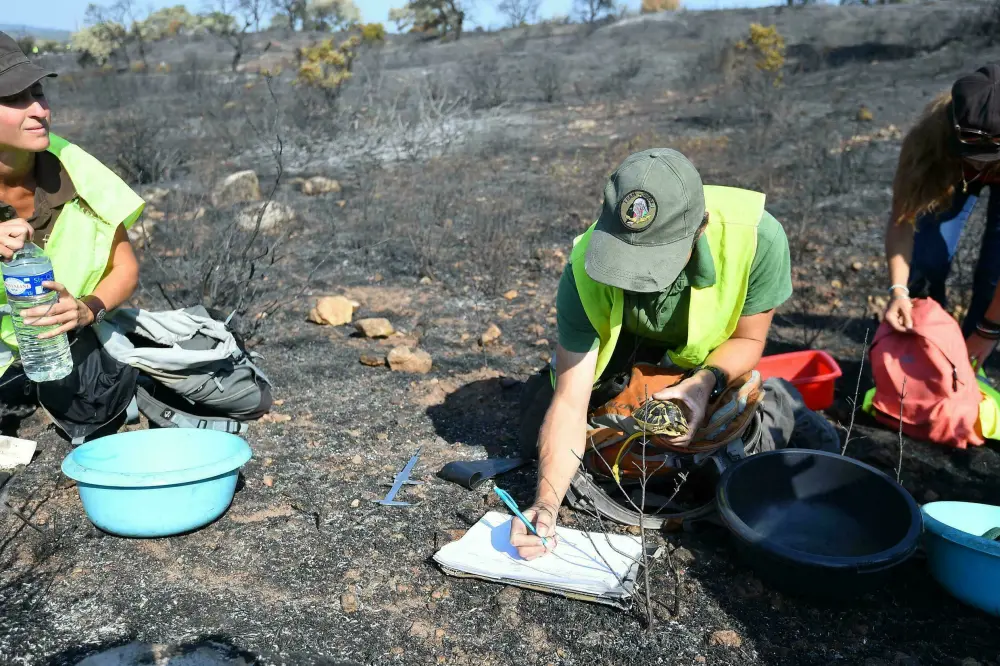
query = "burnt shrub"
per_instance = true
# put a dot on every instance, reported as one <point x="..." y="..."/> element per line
<point x="547" y="75"/>
<point x="486" y="81"/>
<point x="142" y="149"/>
<point x="202" y="255"/>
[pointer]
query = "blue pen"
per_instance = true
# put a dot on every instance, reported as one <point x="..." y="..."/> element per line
<point x="512" y="505"/>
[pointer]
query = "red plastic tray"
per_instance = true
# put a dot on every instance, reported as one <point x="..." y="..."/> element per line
<point x="812" y="372"/>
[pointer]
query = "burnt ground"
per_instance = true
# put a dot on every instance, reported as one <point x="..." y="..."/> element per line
<point x="305" y="568"/>
<point x="270" y="577"/>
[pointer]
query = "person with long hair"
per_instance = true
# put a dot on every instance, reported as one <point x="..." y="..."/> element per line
<point x="947" y="158"/>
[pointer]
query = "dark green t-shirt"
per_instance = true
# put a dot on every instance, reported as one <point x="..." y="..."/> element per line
<point x="659" y="319"/>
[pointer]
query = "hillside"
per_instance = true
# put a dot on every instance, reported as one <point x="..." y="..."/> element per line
<point x="40" y="33"/>
<point x="463" y="172"/>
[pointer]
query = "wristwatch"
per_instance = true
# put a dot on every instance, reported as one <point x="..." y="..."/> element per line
<point x="96" y="307"/>
<point x="721" y="379"/>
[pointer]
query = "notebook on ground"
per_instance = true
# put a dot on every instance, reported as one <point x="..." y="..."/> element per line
<point x="592" y="566"/>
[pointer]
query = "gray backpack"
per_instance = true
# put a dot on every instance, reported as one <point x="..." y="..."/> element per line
<point x="194" y="372"/>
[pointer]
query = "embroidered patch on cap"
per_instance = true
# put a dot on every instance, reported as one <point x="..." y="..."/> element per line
<point x="637" y="210"/>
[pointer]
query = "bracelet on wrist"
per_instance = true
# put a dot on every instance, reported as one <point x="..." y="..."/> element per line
<point x="902" y="287"/>
<point x="96" y="306"/>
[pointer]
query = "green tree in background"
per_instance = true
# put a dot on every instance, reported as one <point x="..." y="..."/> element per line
<point x="436" y="18"/>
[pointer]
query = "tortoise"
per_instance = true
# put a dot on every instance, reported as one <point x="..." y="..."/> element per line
<point x="661" y="417"/>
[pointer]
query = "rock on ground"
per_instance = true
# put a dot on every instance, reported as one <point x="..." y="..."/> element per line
<point x="276" y="215"/>
<point x="403" y="359"/>
<point x="682" y="556"/>
<point x="372" y="360"/>
<point x="725" y="638"/>
<point x="319" y="185"/>
<point x="154" y="196"/>
<point x="237" y="188"/>
<point x="491" y="334"/>
<point x="374" y="327"/>
<point x="552" y="260"/>
<point x="140" y="231"/>
<point x="333" y="311"/>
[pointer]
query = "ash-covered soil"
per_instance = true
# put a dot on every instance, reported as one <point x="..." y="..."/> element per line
<point x="305" y="568"/>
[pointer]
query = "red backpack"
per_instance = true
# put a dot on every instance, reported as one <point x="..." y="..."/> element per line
<point x="941" y="403"/>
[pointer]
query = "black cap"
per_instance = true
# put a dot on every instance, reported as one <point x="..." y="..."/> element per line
<point x="17" y="73"/>
<point x="976" y="106"/>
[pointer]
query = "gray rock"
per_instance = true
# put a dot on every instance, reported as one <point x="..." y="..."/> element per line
<point x="237" y="188"/>
<point x="276" y="215"/>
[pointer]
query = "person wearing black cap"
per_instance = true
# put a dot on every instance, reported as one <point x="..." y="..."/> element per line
<point x="946" y="160"/>
<point x="63" y="200"/>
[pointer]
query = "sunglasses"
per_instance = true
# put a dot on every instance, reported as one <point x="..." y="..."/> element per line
<point x="971" y="137"/>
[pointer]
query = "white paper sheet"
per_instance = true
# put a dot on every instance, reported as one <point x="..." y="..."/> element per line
<point x="14" y="452"/>
<point x="590" y="563"/>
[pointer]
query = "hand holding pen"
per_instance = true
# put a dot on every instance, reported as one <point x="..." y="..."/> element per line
<point x="533" y="531"/>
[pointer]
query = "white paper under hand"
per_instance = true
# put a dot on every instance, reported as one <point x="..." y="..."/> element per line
<point x="591" y="563"/>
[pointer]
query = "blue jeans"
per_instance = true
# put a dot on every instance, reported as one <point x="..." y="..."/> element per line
<point x="934" y="247"/>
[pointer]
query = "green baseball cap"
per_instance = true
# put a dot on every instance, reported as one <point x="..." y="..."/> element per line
<point x="653" y="206"/>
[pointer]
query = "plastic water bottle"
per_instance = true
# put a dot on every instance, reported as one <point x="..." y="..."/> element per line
<point x="43" y="360"/>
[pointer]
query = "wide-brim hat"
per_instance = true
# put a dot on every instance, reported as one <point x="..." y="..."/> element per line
<point x="17" y="73"/>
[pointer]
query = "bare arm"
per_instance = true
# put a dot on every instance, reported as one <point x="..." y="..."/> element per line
<point x="898" y="254"/>
<point x="899" y="251"/>
<point x="562" y="439"/>
<point x="122" y="275"/>
<point x="741" y="352"/>
<point x="562" y="442"/>
<point x="119" y="282"/>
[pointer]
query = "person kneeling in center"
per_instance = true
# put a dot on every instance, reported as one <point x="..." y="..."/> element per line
<point x="673" y="272"/>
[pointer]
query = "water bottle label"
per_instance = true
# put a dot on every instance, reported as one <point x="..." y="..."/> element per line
<point x="27" y="285"/>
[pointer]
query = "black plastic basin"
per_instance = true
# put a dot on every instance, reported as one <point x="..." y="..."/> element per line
<point x="817" y="523"/>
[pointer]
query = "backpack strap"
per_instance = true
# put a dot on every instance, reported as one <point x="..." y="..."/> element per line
<point x="169" y="417"/>
<point x="247" y="360"/>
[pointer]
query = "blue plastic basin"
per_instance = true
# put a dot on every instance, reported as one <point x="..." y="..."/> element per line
<point x="967" y="565"/>
<point x="151" y="483"/>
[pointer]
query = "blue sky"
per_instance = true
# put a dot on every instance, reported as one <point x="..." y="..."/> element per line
<point x="68" y="14"/>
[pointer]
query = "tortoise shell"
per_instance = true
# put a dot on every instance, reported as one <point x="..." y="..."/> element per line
<point x="661" y="417"/>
